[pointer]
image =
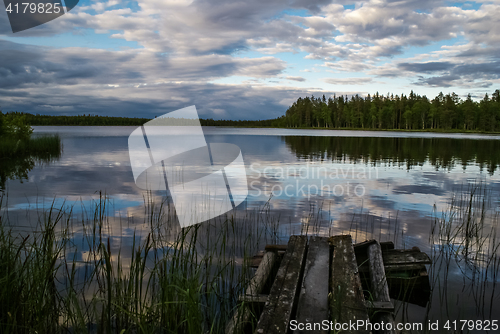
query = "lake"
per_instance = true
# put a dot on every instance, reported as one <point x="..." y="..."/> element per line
<point x="391" y="186"/>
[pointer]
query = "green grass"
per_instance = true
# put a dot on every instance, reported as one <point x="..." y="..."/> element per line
<point x="187" y="283"/>
<point x="43" y="147"/>
<point x="464" y="239"/>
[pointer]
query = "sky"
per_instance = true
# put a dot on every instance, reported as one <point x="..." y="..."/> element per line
<point x="245" y="59"/>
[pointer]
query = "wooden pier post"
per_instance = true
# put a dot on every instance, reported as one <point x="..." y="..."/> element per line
<point x="282" y="298"/>
<point x="380" y="290"/>
<point x="243" y="315"/>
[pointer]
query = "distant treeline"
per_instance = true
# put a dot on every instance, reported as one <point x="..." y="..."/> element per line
<point x="78" y="120"/>
<point x="95" y="120"/>
<point x="244" y="124"/>
<point x="413" y="112"/>
<point x="391" y="112"/>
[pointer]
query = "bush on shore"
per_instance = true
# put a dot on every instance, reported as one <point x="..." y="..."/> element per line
<point x="14" y="126"/>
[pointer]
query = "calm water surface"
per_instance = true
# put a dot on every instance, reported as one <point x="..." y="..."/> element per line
<point x="387" y="185"/>
<point x="339" y="173"/>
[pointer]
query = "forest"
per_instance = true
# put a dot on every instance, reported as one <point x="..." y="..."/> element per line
<point x="412" y="112"/>
<point x="95" y="120"/>
<point x="391" y="112"/>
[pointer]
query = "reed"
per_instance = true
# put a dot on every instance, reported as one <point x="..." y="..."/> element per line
<point x="168" y="281"/>
<point x="464" y="240"/>
<point x="41" y="147"/>
<point x="73" y="273"/>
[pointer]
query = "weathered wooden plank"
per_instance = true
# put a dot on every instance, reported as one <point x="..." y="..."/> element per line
<point x="313" y="298"/>
<point x="259" y="279"/>
<point x="347" y="302"/>
<point x="379" y="288"/>
<point x="386" y="245"/>
<point x="395" y="268"/>
<point x="255" y="262"/>
<point x="256" y="259"/>
<point x="278" y="309"/>
<point x="397" y="260"/>
<point x="275" y="248"/>
<point x="361" y="246"/>
<point x="409" y="283"/>
<point x="375" y="306"/>
<point x="243" y="315"/>
<point x="256" y="299"/>
<point x="396" y="256"/>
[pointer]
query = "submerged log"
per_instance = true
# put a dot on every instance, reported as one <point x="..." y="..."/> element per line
<point x="282" y="298"/>
<point x="243" y="315"/>
<point x="379" y="288"/>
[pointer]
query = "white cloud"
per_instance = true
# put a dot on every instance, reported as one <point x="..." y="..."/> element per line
<point x="189" y="43"/>
<point x="347" y="81"/>
<point x="299" y="79"/>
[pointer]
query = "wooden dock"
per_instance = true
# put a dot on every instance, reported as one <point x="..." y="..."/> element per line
<point x="317" y="284"/>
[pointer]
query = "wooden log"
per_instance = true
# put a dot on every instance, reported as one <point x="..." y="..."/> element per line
<point x="362" y="246"/>
<point x="410" y="285"/>
<point x="379" y="288"/>
<point x="243" y="315"/>
<point x="397" y="256"/>
<point x="375" y="306"/>
<point x="361" y="251"/>
<point x="282" y="299"/>
<point x="313" y="298"/>
<point x="409" y="267"/>
<point x="397" y="260"/>
<point x="261" y="275"/>
<point x="256" y="259"/>
<point x="347" y="303"/>
<point x="257" y="299"/>
<point x="386" y="245"/>
<point x="275" y="248"/>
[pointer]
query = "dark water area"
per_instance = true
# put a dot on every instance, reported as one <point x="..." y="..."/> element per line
<point x="445" y="153"/>
<point x="389" y="186"/>
<point x="18" y="157"/>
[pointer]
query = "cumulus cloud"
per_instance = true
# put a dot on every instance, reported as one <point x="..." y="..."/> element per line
<point x="429" y="67"/>
<point x="466" y="75"/>
<point x="187" y="45"/>
<point x="212" y="100"/>
<point x="347" y="81"/>
<point x="299" y="79"/>
<point x="24" y="66"/>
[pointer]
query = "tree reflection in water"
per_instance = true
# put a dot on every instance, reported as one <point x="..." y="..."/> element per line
<point x="18" y="157"/>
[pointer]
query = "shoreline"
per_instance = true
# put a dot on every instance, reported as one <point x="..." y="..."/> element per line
<point x="439" y="131"/>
